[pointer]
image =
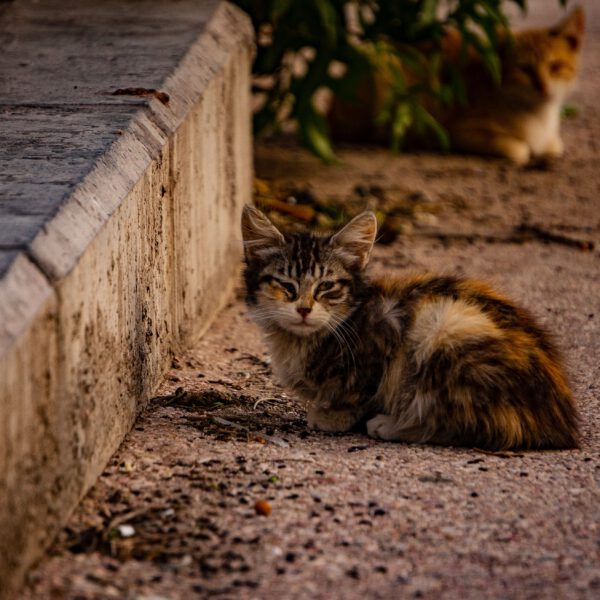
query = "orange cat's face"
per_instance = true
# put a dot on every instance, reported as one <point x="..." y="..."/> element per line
<point x="540" y="65"/>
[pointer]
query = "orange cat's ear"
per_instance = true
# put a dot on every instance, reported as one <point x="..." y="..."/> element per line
<point x="355" y="241"/>
<point x="571" y="28"/>
<point x="260" y="236"/>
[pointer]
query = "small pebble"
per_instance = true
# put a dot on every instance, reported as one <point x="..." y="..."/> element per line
<point x="126" y="531"/>
<point x="262" y="507"/>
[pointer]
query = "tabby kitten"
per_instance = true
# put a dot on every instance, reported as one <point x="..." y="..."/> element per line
<point x="518" y="120"/>
<point x="429" y="359"/>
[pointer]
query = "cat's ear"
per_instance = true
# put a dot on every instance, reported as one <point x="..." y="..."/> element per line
<point x="571" y="27"/>
<point x="260" y="236"/>
<point x="355" y="241"/>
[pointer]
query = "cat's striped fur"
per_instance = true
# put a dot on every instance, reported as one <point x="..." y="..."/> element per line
<point x="422" y="359"/>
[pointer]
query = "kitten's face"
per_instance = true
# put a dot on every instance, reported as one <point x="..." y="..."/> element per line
<point x="302" y="283"/>
<point x="541" y="64"/>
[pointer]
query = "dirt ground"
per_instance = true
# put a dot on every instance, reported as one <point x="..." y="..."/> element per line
<point x="221" y="491"/>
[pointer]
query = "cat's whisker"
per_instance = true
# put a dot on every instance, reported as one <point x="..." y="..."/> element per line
<point x="349" y="328"/>
<point x="272" y="312"/>
<point x="342" y="343"/>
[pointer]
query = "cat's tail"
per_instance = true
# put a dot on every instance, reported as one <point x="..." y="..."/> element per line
<point x="556" y="420"/>
<point x="524" y="405"/>
<point x="494" y="392"/>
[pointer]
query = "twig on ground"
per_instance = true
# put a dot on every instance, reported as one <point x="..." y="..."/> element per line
<point x="521" y="233"/>
<point x="268" y="438"/>
<point x="505" y="454"/>
<point x="536" y="232"/>
<point x="261" y="400"/>
<point x="299" y="211"/>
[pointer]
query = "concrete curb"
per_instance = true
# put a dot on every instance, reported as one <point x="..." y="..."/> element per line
<point x="133" y="262"/>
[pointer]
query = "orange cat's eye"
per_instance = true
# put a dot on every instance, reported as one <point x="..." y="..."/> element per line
<point x="573" y="42"/>
<point x="556" y="67"/>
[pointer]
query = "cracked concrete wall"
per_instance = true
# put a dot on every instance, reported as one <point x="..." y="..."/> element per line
<point x="118" y="234"/>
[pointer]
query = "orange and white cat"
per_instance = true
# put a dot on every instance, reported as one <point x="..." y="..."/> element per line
<point x="518" y="119"/>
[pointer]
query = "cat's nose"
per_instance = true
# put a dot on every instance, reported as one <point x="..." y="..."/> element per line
<point x="303" y="311"/>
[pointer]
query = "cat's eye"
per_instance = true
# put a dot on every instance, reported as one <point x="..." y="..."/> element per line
<point x="573" y="41"/>
<point x="556" y="67"/>
<point x="290" y="288"/>
<point x="324" y="286"/>
<point x="329" y="290"/>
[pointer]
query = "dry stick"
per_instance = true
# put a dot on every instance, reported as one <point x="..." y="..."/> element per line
<point x="269" y="438"/>
<point x="536" y="232"/>
<point x="162" y="96"/>
<point x="129" y="516"/>
<point x="300" y="211"/>
<point x="500" y="454"/>
<point x="261" y="400"/>
<point x="521" y="233"/>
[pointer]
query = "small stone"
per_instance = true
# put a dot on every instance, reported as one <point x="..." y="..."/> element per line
<point x="186" y="560"/>
<point x="262" y="507"/>
<point x="426" y="219"/>
<point x="126" y="531"/>
<point x="420" y="196"/>
<point x="353" y="572"/>
<point x="127" y="466"/>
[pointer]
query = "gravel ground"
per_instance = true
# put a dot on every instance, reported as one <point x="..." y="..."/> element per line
<point x="220" y="491"/>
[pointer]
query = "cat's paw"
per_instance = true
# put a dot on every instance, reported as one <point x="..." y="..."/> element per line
<point x="331" y="421"/>
<point x="516" y="151"/>
<point x="555" y="148"/>
<point x="382" y="427"/>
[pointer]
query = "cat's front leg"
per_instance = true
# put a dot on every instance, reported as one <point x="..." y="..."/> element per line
<point x="515" y="150"/>
<point x="484" y="141"/>
<point x="331" y="420"/>
<point x="386" y="427"/>
<point x="382" y="427"/>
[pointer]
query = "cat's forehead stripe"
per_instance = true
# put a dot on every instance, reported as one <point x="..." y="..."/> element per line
<point x="306" y="256"/>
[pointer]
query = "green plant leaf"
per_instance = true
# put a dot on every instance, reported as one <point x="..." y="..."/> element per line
<point x="314" y="134"/>
<point x="403" y="119"/>
<point x="329" y="20"/>
<point x="430" y="122"/>
<point x="279" y="9"/>
<point x="569" y="111"/>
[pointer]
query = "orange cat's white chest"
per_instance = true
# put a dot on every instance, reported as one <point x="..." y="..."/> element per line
<point x="542" y="131"/>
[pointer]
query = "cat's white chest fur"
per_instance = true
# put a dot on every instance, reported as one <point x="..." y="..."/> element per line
<point x="542" y="131"/>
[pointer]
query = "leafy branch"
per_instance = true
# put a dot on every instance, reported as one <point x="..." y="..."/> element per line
<point x="305" y="46"/>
